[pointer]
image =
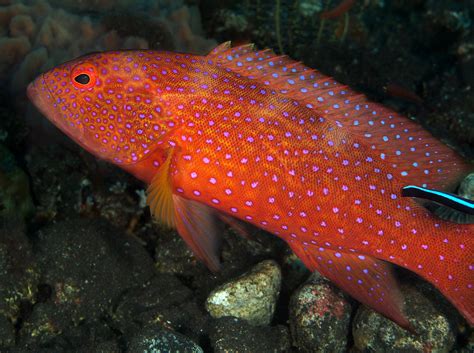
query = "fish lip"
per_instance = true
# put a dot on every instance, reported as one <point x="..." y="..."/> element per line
<point x="32" y="92"/>
<point x="45" y="106"/>
<point x="40" y="94"/>
<point x="36" y="96"/>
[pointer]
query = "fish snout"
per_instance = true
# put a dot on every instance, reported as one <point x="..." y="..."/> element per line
<point x="32" y="92"/>
<point x="54" y="108"/>
<point x="37" y="92"/>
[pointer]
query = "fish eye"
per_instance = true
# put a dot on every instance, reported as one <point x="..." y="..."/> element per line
<point x="83" y="79"/>
<point x="84" y="76"/>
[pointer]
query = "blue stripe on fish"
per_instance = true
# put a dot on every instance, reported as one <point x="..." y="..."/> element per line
<point x="447" y="199"/>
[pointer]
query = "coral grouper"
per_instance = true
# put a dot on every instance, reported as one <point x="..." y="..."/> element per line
<point x="245" y="135"/>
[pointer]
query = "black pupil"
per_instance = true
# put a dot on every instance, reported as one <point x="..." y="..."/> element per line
<point x="83" y="79"/>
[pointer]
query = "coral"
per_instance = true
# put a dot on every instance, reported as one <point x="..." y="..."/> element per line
<point x="13" y="51"/>
<point x="98" y="5"/>
<point x="36" y="35"/>
<point x="22" y="25"/>
<point x="29" y="68"/>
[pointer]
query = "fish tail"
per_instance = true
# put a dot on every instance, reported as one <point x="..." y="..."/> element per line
<point x="461" y="293"/>
<point x="449" y="266"/>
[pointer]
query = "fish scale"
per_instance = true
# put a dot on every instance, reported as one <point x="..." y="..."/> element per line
<point x="247" y="136"/>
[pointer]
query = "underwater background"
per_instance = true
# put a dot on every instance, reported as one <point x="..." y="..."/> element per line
<point x="84" y="268"/>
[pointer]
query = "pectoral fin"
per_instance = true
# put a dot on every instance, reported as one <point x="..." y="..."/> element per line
<point x="199" y="227"/>
<point x="242" y="228"/>
<point x="195" y="222"/>
<point x="160" y="195"/>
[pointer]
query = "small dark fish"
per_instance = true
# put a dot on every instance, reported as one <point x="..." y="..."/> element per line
<point x="444" y="198"/>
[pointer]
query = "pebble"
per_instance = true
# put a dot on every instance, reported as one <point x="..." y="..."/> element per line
<point x="230" y="334"/>
<point x="164" y="299"/>
<point x="155" y="339"/>
<point x="86" y="265"/>
<point x="252" y="296"/>
<point x="465" y="190"/>
<point x="15" y="196"/>
<point x="7" y="333"/>
<point x="431" y="316"/>
<point x="319" y="316"/>
<point x="19" y="274"/>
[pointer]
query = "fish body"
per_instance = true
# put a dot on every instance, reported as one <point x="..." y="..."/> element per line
<point x="254" y="137"/>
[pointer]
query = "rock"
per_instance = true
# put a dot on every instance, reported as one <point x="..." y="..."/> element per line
<point x="19" y="275"/>
<point x="172" y="255"/>
<point x="155" y="339"/>
<point x="7" y="333"/>
<point x="465" y="190"/>
<point x="89" y="337"/>
<point x="467" y="345"/>
<point x="15" y="198"/>
<point x="92" y="337"/>
<point x="294" y="272"/>
<point x="251" y="296"/>
<point x="87" y="264"/>
<point x="103" y="347"/>
<point x="230" y="334"/>
<point x="465" y="52"/>
<point x="163" y="299"/>
<point x="319" y="316"/>
<point x="432" y="318"/>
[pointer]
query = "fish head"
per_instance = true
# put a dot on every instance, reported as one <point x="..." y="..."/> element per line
<point x="110" y="103"/>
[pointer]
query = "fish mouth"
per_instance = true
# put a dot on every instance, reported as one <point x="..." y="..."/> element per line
<point x="43" y="99"/>
<point x="34" y="95"/>
<point x="58" y="113"/>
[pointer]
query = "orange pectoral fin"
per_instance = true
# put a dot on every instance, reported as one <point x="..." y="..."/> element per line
<point x="160" y="194"/>
<point x="195" y="222"/>
<point x="367" y="279"/>
<point x="242" y="228"/>
<point x="199" y="227"/>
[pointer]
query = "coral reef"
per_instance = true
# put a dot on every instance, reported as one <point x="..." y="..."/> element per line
<point x="37" y="35"/>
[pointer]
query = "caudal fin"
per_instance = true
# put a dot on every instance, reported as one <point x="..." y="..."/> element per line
<point x="447" y="261"/>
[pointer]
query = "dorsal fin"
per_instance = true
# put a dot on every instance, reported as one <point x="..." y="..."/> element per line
<point x="412" y="152"/>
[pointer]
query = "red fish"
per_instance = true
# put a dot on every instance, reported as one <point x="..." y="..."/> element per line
<point x="259" y="138"/>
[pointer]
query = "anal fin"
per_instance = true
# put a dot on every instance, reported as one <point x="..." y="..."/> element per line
<point x="367" y="279"/>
